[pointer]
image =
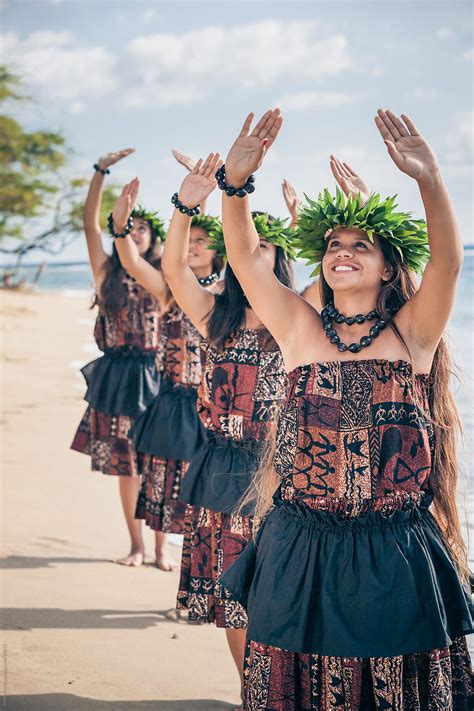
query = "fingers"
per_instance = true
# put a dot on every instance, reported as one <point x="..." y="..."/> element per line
<point x="273" y="132"/>
<point x="197" y="167"/>
<point x="246" y="126"/>
<point x="350" y="170"/>
<point x="410" y="125"/>
<point x="384" y="132"/>
<point x="397" y="123"/>
<point x="395" y="155"/>
<point x="210" y="166"/>
<point x="394" y="133"/>
<point x="336" y="165"/>
<point x="258" y="128"/>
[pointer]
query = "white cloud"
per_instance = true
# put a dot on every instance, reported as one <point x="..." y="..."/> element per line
<point x="307" y="99"/>
<point x="445" y="33"/>
<point x="149" y="15"/>
<point x="53" y="63"/>
<point x="164" y="69"/>
<point x="468" y="55"/>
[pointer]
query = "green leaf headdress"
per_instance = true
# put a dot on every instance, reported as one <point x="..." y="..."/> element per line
<point x="319" y="218"/>
<point x="156" y="224"/>
<point x="272" y="229"/>
<point x="211" y="225"/>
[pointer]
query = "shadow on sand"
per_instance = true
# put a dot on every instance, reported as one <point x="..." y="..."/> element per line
<point x="19" y="618"/>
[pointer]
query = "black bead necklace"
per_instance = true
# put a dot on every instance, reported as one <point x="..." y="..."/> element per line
<point x="207" y="281"/>
<point x="330" y="314"/>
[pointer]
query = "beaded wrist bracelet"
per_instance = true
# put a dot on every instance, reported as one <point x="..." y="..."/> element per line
<point x="121" y="235"/>
<point x="241" y="192"/>
<point x="100" y="170"/>
<point x="190" y="211"/>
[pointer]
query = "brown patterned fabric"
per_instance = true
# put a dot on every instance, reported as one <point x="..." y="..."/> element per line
<point x="102" y="436"/>
<point x="179" y="358"/>
<point x="439" y="680"/>
<point x="355" y="437"/>
<point x="241" y="389"/>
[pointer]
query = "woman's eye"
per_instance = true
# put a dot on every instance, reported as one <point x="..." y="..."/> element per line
<point x="361" y="244"/>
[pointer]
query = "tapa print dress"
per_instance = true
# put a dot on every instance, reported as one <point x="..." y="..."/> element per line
<point x="121" y="383"/>
<point x="353" y="600"/>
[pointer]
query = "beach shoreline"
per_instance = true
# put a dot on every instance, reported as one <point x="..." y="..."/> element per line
<point x="80" y="631"/>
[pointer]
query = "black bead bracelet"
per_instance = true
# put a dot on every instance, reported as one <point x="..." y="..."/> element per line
<point x="121" y="235"/>
<point x="241" y="192"/>
<point x="190" y="211"/>
<point x="101" y="170"/>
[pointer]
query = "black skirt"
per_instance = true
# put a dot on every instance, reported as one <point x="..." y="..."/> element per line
<point x="122" y="382"/>
<point x="170" y="428"/>
<point x="220" y="473"/>
<point x="372" y="586"/>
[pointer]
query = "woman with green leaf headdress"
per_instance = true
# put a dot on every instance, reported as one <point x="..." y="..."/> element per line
<point x="125" y="380"/>
<point x="242" y="384"/>
<point x="166" y="434"/>
<point x="356" y="583"/>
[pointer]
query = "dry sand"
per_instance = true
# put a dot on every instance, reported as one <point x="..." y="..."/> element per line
<point x="81" y="632"/>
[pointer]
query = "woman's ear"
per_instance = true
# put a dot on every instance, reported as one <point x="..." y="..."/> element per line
<point x="387" y="272"/>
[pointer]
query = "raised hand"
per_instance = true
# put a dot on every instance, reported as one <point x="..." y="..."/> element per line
<point x="348" y="180"/>
<point x="249" y="149"/>
<point x="188" y="162"/>
<point x="292" y="200"/>
<point x="125" y="203"/>
<point x="200" y="183"/>
<point x="408" y="150"/>
<point x="110" y="158"/>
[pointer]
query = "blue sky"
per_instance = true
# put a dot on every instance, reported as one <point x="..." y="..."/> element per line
<point x="156" y="75"/>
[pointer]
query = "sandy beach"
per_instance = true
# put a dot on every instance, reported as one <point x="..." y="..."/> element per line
<point x="81" y="632"/>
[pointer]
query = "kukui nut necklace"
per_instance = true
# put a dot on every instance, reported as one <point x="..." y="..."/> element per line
<point x="330" y="314"/>
<point x="207" y="281"/>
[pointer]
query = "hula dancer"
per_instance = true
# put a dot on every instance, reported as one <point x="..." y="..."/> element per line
<point x="243" y="383"/>
<point x="125" y="380"/>
<point x="356" y="585"/>
<point x="169" y="432"/>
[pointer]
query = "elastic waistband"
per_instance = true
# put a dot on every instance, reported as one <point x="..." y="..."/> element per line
<point x="326" y="520"/>
<point x="214" y="439"/>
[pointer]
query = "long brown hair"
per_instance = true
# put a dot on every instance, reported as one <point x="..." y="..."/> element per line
<point x="113" y="294"/>
<point x="444" y="416"/>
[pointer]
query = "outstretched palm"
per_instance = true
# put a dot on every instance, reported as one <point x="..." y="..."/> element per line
<point x="125" y="203"/>
<point x="109" y="159"/>
<point x="200" y="183"/>
<point x="248" y="151"/>
<point x="407" y="148"/>
<point x="348" y="180"/>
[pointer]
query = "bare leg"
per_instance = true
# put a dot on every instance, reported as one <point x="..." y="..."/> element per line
<point x="236" y="640"/>
<point x="164" y="559"/>
<point x="129" y="490"/>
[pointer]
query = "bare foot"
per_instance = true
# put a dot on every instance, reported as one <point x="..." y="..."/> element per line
<point x="133" y="560"/>
<point x="165" y="562"/>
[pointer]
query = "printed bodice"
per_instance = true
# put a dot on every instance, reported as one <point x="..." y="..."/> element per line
<point x="355" y="436"/>
<point x="137" y="325"/>
<point x="179" y="355"/>
<point x="242" y="386"/>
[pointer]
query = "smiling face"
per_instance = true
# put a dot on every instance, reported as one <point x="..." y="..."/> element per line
<point x="352" y="261"/>
<point x="199" y="256"/>
<point x="141" y="235"/>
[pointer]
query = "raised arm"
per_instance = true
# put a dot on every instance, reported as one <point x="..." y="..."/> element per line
<point x="292" y="201"/>
<point x="191" y="297"/>
<point x="91" y="214"/>
<point x="148" y="276"/>
<point x="282" y="311"/>
<point x="425" y="316"/>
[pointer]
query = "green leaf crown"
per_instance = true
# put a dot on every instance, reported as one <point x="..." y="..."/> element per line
<point x="156" y="224"/>
<point x="274" y="230"/>
<point x="319" y="218"/>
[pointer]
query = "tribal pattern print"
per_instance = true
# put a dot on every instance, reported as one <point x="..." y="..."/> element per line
<point x="354" y="432"/>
